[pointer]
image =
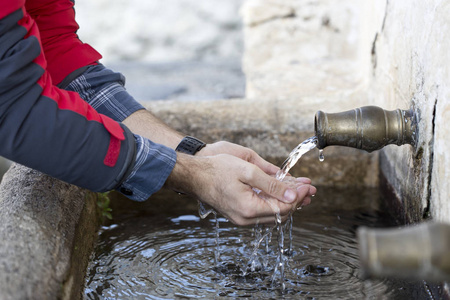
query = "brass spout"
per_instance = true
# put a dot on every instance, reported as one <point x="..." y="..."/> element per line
<point x="368" y="128"/>
<point x="420" y="252"/>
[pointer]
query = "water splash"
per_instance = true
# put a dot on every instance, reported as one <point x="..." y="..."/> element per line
<point x="280" y="263"/>
<point x="254" y="262"/>
<point x="204" y="210"/>
<point x="291" y="160"/>
<point x="169" y="255"/>
<point x="257" y="261"/>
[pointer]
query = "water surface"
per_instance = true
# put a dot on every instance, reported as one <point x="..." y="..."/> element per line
<point x="162" y="249"/>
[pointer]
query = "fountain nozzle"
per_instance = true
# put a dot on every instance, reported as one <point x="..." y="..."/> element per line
<point x="368" y="128"/>
<point x="417" y="252"/>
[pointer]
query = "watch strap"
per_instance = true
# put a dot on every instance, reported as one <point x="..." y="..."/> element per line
<point x="190" y="145"/>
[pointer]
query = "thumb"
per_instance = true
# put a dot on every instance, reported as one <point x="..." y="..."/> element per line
<point x="272" y="186"/>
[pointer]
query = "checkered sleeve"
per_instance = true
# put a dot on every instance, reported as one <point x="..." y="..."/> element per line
<point x="104" y="90"/>
<point x="154" y="163"/>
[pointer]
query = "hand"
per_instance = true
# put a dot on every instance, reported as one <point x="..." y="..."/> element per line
<point x="225" y="182"/>
<point x="244" y="153"/>
<point x="251" y="156"/>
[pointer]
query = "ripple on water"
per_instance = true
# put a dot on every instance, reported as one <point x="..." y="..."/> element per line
<point x="167" y="258"/>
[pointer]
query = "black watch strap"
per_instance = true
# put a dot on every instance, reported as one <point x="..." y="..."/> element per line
<point x="190" y="145"/>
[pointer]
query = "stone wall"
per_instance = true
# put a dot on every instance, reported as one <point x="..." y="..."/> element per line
<point x="309" y="53"/>
<point x="409" y="64"/>
<point x="336" y="55"/>
<point x="300" y="49"/>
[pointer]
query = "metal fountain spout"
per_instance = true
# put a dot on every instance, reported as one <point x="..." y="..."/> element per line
<point x="368" y="128"/>
<point x="419" y="252"/>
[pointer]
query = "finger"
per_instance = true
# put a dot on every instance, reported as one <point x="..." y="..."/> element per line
<point x="303" y="180"/>
<point x="312" y="190"/>
<point x="271" y="186"/>
<point x="303" y="190"/>
<point x="258" y="210"/>
<point x="266" y="208"/>
<point x="263" y="220"/>
<point x="264" y="165"/>
<point x="306" y="201"/>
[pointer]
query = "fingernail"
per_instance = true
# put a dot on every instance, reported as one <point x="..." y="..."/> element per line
<point x="289" y="196"/>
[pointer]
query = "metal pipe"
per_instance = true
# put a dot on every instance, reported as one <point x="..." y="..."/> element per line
<point x="419" y="252"/>
<point x="368" y="128"/>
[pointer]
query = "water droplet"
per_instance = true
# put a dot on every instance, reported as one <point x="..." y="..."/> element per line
<point x="321" y="156"/>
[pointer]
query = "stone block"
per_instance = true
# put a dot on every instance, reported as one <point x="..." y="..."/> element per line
<point x="44" y="247"/>
<point x="407" y="55"/>
<point x="297" y="48"/>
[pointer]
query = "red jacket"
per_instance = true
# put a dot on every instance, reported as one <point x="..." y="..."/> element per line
<point x="46" y="128"/>
<point x="63" y="49"/>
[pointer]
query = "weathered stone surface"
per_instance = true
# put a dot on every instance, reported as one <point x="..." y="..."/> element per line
<point x="38" y="217"/>
<point x="339" y="55"/>
<point x="440" y="183"/>
<point x="409" y="49"/>
<point x="298" y="48"/>
<point x="256" y="12"/>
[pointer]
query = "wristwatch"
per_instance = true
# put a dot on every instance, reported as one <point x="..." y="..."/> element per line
<point x="190" y="145"/>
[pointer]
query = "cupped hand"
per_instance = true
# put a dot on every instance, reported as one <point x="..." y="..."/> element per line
<point x="239" y="151"/>
<point x="294" y="183"/>
<point x="226" y="183"/>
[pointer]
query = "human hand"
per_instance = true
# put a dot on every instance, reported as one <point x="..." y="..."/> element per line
<point x="293" y="183"/>
<point x="225" y="182"/>
<point x="251" y="156"/>
<point x="242" y="152"/>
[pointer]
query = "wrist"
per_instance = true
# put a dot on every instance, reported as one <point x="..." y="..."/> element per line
<point x="188" y="174"/>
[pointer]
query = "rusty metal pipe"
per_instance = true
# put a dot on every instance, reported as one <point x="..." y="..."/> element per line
<point x="368" y="128"/>
<point x="419" y="252"/>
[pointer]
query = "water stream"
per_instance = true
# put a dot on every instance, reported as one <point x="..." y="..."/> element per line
<point x="290" y="161"/>
<point x="295" y="155"/>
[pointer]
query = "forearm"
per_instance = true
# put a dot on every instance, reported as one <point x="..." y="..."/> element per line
<point x="144" y="123"/>
<point x="104" y="90"/>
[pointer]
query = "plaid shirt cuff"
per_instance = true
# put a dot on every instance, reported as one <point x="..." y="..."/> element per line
<point x="154" y="163"/>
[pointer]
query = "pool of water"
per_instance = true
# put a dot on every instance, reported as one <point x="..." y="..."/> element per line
<point x="161" y="249"/>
